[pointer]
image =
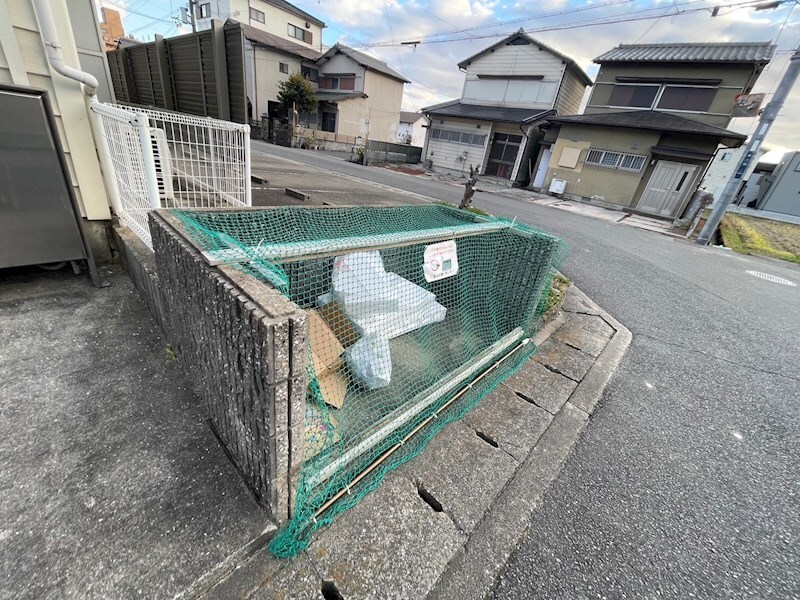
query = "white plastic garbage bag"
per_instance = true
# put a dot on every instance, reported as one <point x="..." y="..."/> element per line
<point x="370" y="360"/>
<point x="380" y="302"/>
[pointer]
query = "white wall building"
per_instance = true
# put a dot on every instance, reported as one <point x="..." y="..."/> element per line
<point x="509" y="89"/>
<point x="411" y="129"/>
<point x="277" y="17"/>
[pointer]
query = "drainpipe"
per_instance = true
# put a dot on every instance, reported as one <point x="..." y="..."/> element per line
<point x="55" y="56"/>
<point x="52" y="47"/>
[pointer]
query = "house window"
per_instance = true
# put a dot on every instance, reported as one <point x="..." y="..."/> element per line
<point x="607" y="159"/>
<point x="337" y="83"/>
<point x="329" y="121"/>
<point x="283" y="67"/>
<point x="458" y="137"/>
<point x="301" y="34"/>
<point x="695" y="99"/>
<point x="309" y="73"/>
<point x="203" y="11"/>
<point x="633" y="96"/>
<point x="257" y="15"/>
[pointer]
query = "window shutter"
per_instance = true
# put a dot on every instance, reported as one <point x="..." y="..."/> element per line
<point x="308" y="37"/>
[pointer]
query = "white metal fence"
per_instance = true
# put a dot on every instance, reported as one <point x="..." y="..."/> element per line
<point x="158" y="159"/>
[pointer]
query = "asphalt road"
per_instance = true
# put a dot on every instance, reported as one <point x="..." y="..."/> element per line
<point x="685" y="483"/>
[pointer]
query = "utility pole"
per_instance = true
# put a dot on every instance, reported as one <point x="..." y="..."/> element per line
<point x="193" y="14"/>
<point x="764" y="124"/>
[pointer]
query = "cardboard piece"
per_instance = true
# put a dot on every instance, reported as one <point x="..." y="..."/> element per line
<point x="338" y="322"/>
<point x="326" y="358"/>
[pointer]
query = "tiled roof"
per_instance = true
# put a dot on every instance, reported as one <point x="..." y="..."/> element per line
<point x="479" y="112"/>
<point x="282" y="4"/>
<point x="277" y="43"/>
<point x="366" y="61"/>
<point x="524" y="36"/>
<point x="742" y="52"/>
<point x="649" y="119"/>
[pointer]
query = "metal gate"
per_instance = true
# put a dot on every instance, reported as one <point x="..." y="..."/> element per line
<point x="157" y="159"/>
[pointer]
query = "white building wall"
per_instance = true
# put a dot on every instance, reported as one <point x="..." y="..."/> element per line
<point x="342" y="63"/>
<point x="514" y="60"/>
<point x="276" y="20"/>
<point x="415" y="130"/>
<point x="722" y="167"/>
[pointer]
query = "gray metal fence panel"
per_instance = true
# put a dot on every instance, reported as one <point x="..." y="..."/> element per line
<point x="199" y="73"/>
<point x="388" y="152"/>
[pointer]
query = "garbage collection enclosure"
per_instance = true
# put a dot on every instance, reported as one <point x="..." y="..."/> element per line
<point x="414" y="313"/>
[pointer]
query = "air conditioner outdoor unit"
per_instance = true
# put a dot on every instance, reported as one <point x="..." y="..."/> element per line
<point x="163" y="163"/>
<point x="557" y="186"/>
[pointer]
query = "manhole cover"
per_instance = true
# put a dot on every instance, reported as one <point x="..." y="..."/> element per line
<point x="772" y="278"/>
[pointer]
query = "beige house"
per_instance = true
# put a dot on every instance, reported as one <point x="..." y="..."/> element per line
<point x="23" y="62"/>
<point x="509" y="88"/>
<point x="276" y="17"/>
<point x="360" y="96"/>
<point x="656" y="116"/>
<point x="268" y="61"/>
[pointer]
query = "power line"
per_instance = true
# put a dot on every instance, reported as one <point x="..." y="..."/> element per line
<point x="581" y="24"/>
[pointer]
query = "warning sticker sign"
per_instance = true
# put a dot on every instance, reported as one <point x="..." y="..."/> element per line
<point x="441" y="260"/>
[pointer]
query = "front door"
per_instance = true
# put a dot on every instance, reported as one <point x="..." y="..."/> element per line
<point x="667" y="188"/>
<point x="503" y="155"/>
<point x="544" y="164"/>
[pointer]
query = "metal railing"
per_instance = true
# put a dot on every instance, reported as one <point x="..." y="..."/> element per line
<point x="158" y="159"/>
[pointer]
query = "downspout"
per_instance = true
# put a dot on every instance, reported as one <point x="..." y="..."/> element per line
<point x="55" y="56"/>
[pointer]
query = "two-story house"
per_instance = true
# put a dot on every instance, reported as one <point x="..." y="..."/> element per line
<point x="655" y="117"/>
<point x="276" y="17"/>
<point x="268" y="61"/>
<point x="509" y="89"/>
<point x="360" y="95"/>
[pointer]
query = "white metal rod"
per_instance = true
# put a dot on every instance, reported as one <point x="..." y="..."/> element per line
<point x="309" y="249"/>
<point x="142" y="124"/>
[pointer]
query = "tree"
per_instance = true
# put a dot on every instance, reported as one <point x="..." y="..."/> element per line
<point x="297" y="91"/>
<point x="469" y="188"/>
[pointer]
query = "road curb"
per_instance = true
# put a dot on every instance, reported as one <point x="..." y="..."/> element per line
<point x="476" y="567"/>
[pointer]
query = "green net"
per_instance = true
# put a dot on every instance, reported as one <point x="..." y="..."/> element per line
<point x="415" y="313"/>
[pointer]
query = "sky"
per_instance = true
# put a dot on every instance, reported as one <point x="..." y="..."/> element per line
<point x="452" y="30"/>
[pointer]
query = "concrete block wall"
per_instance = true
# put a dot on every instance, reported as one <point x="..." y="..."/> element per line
<point x="243" y="347"/>
<point x="140" y="264"/>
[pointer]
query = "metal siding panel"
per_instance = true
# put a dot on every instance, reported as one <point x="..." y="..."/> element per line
<point x="187" y="75"/>
<point x="237" y="95"/>
<point x="155" y="79"/>
<point x="208" y="72"/>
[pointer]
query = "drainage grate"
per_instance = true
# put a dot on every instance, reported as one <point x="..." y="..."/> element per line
<point x="772" y="278"/>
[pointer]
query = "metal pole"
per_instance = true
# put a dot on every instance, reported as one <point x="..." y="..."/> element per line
<point x="192" y="16"/>
<point x="248" y="189"/>
<point x="767" y="119"/>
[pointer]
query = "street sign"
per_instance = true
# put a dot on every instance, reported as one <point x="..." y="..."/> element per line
<point x="747" y="105"/>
